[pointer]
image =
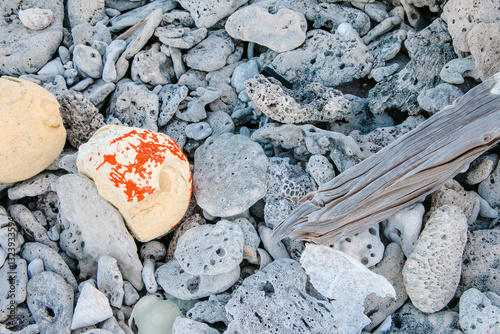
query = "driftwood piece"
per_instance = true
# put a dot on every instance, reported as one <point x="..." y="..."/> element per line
<point x="403" y="172"/>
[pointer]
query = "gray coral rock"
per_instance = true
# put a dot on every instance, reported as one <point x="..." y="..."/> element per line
<point x="152" y="67"/>
<point x="32" y="227"/>
<point x="386" y="47"/>
<point x="84" y="11"/>
<point x="207" y="13"/>
<point x="13" y="294"/>
<point x="91" y="308"/>
<point x="110" y="280"/>
<point x="211" y="310"/>
<point x="320" y="168"/>
<point x="87" y="61"/>
<point x="24" y="50"/>
<point x="185" y="225"/>
<point x="81" y="118"/>
<point x="332" y="15"/>
<point x="481" y="168"/>
<point x="479" y="312"/>
<point x="330" y="59"/>
<point x="180" y="37"/>
<point x="132" y="17"/>
<point x="50" y="300"/>
<point x="429" y="49"/>
<point x="489" y="189"/>
<point x="35" y="186"/>
<point x="212" y="53"/>
<point x="432" y="271"/>
<point x="435" y="99"/>
<point x="91" y="227"/>
<point x="230" y="174"/>
<point x="311" y="103"/>
<point x="184" y="325"/>
<point x="170" y="96"/>
<point x="366" y="246"/>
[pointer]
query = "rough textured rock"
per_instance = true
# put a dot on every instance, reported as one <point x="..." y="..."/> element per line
<point x="312" y="103"/>
<point x="265" y="23"/>
<point x="484" y="44"/>
<point x="479" y="312"/>
<point x="320" y="168"/>
<point x="32" y="133"/>
<point x="171" y="96"/>
<point x="455" y="71"/>
<point x="481" y="168"/>
<point x="207" y="13"/>
<point x="185" y="225"/>
<point x="230" y="174"/>
<point x="91" y="227"/>
<point x="110" y="281"/>
<point x="84" y="11"/>
<point x="23" y="50"/>
<point x="33" y="229"/>
<point x="142" y="186"/>
<point x="87" y="61"/>
<point x="184" y="325"/>
<point x="91" y="308"/>
<point x="432" y="271"/>
<point x="429" y="50"/>
<point x="386" y="47"/>
<point x="212" y="53"/>
<point x="152" y="67"/>
<point x="210" y="249"/>
<point x="435" y="99"/>
<point x="404" y="227"/>
<point x="332" y="15"/>
<point x="7" y="298"/>
<point x="211" y="310"/>
<point x="316" y="60"/>
<point x="365" y="247"/>
<point x="181" y="38"/>
<point x="180" y="284"/>
<point x="81" y="118"/>
<point x="489" y="189"/>
<point x="479" y="266"/>
<point x="132" y="17"/>
<point x="49" y="291"/>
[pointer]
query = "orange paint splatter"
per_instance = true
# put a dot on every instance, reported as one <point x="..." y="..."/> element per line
<point x="135" y="176"/>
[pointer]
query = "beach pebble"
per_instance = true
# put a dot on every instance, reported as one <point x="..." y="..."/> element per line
<point x="435" y="99"/>
<point x="410" y="319"/>
<point x="489" y="189"/>
<point x="142" y="186"/>
<point x="35" y="267"/>
<point x="212" y="53"/>
<point x="230" y="174"/>
<point x="365" y="246"/>
<point x="481" y="168"/>
<point x="87" y="61"/>
<point x="479" y="312"/>
<point x="195" y="111"/>
<point x="242" y="73"/>
<point x="8" y="299"/>
<point x="432" y="271"/>
<point x="49" y="291"/>
<point x="136" y="15"/>
<point x="113" y="52"/>
<point x="404" y="227"/>
<point x="208" y="12"/>
<point x="176" y="281"/>
<point x="211" y="310"/>
<point x="265" y="23"/>
<point x="98" y="92"/>
<point x="152" y="67"/>
<point x="276" y="249"/>
<point x="320" y="168"/>
<point x="171" y="96"/>
<point x="198" y="131"/>
<point x="109" y="280"/>
<point x="35" y="186"/>
<point x="187" y="224"/>
<point x="455" y="71"/>
<point x="332" y="15"/>
<point x="184" y="325"/>
<point x="32" y="134"/>
<point x="92" y="227"/>
<point x="130" y="294"/>
<point x="91" y="308"/>
<point x="84" y="12"/>
<point x="251" y="239"/>
<point x="180" y="37"/>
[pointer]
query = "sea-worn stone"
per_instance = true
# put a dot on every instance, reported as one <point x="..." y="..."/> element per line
<point x="178" y="17"/>
<point x="332" y="15"/>
<point x="479" y="312"/>
<point x="489" y="189"/>
<point x="152" y="67"/>
<point x="455" y="71"/>
<point x="91" y="308"/>
<point x="453" y="193"/>
<point x="185" y="325"/>
<point x="211" y="310"/>
<point x="142" y="173"/>
<point x="432" y="272"/>
<point x="180" y="37"/>
<point x="381" y="29"/>
<point x="35" y="267"/>
<point x="35" y="186"/>
<point x="320" y="169"/>
<point x="133" y="104"/>
<point x="268" y="23"/>
<point x="429" y="49"/>
<point x="212" y="53"/>
<point x="207" y="13"/>
<point x="434" y="99"/>
<point x="98" y="92"/>
<point x="365" y="247"/>
<point x="409" y="319"/>
<point x="51" y="260"/>
<point x="377" y="308"/>
<point x="481" y="168"/>
<point x="132" y="17"/>
<point x="130" y="294"/>
<point x="32" y="133"/>
<point x="230" y="174"/>
<point x="50" y="300"/>
<point x="91" y="227"/>
<point x="81" y="118"/>
<point x="479" y="269"/>
<point x="242" y="73"/>
<point x="404" y="227"/>
<point x="24" y="50"/>
<point x="113" y="52"/>
<point x="12" y="293"/>
<point x="287" y="136"/>
<point x="195" y="111"/>
<point x="484" y="44"/>
<point x="179" y="283"/>
<point x="92" y="34"/>
<point x="84" y="11"/>
<point x="176" y="129"/>
<point x="87" y="61"/>
<point x="36" y="18"/>
<point x="330" y="59"/>
<point x="170" y="96"/>
<point x="110" y="280"/>
<point x="275" y="248"/>
<point x="387" y="46"/>
<point x="198" y="131"/>
<point x="312" y="103"/>
<point x="210" y="249"/>
<point x="185" y="225"/>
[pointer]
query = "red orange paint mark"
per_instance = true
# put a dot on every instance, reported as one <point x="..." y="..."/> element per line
<point x="149" y="153"/>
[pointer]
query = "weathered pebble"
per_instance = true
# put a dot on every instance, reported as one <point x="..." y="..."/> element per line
<point x="37" y="185"/>
<point x="184" y="325"/>
<point x="91" y="308"/>
<point x="205" y="14"/>
<point x="479" y="312"/>
<point x="404" y="227"/>
<point x="109" y="280"/>
<point x="435" y="99"/>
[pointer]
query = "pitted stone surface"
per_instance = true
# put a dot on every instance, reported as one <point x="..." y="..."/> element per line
<point x="432" y="271"/>
<point x="320" y="168"/>
<point x="489" y="189"/>
<point x="404" y="227"/>
<point x="207" y="13"/>
<point x="479" y="312"/>
<point x="481" y="168"/>
<point x="35" y="186"/>
<point x="332" y="15"/>
<point x="210" y="249"/>
<point x="185" y="225"/>
<point x="110" y="281"/>
<point x="179" y="283"/>
<point x="484" y="45"/>
<point x="317" y="61"/>
<point x="212" y="53"/>
<point x="211" y="310"/>
<point x="152" y="67"/>
<point x="184" y="325"/>
<point x="89" y="11"/>
<point x="435" y="99"/>
<point x="365" y="247"/>
<point x="230" y="174"/>
<point x="268" y="23"/>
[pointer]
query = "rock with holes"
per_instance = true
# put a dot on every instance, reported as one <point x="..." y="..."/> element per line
<point x="251" y="239"/>
<point x="91" y="227"/>
<point x="404" y="227"/>
<point x="480" y="259"/>
<point x="330" y="59"/>
<point x="386" y="47"/>
<point x="91" y="307"/>
<point x="481" y="168"/>
<point x="320" y="169"/>
<point x="12" y="293"/>
<point x="184" y="325"/>
<point x="143" y="173"/>
<point x="187" y="224"/>
<point x="210" y="311"/>
<point x="484" y="44"/>
<point x="152" y="67"/>
<point x="179" y="283"/>
<point x="210" y="249"/>
<point x="212" y="53"/>
<point x="87" y="61"/>
<point x="489" y="189"/>
<point x="432" y="271"/>
<point x="170" y="96"/>
<point x="312" y="103"/>
<point x="332" y="15"/>
<point x="110" y="281"/>
<point x="33" y="134"/>
<point x="429" y="49"/>
<point x="198" y="131"/>
<point x="435" y="99"/>
<point x="35" y="186"/>
<point x="365" y="247"/>
<point x="230" y="174"/>
<point x="268" y="23"/>
<point x="207" y="13"/>
<point x="50" y="301"/>
<point x="84" y="12"/>
<point x="479" y="312"/>
<point x="410" y="319"/>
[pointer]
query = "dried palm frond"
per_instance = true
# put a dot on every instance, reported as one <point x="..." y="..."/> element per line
<point x="403" y="172"/>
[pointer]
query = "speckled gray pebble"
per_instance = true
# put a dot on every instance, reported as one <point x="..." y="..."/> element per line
<point x="198" y="131"/>
<point x="185" y="325"/>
